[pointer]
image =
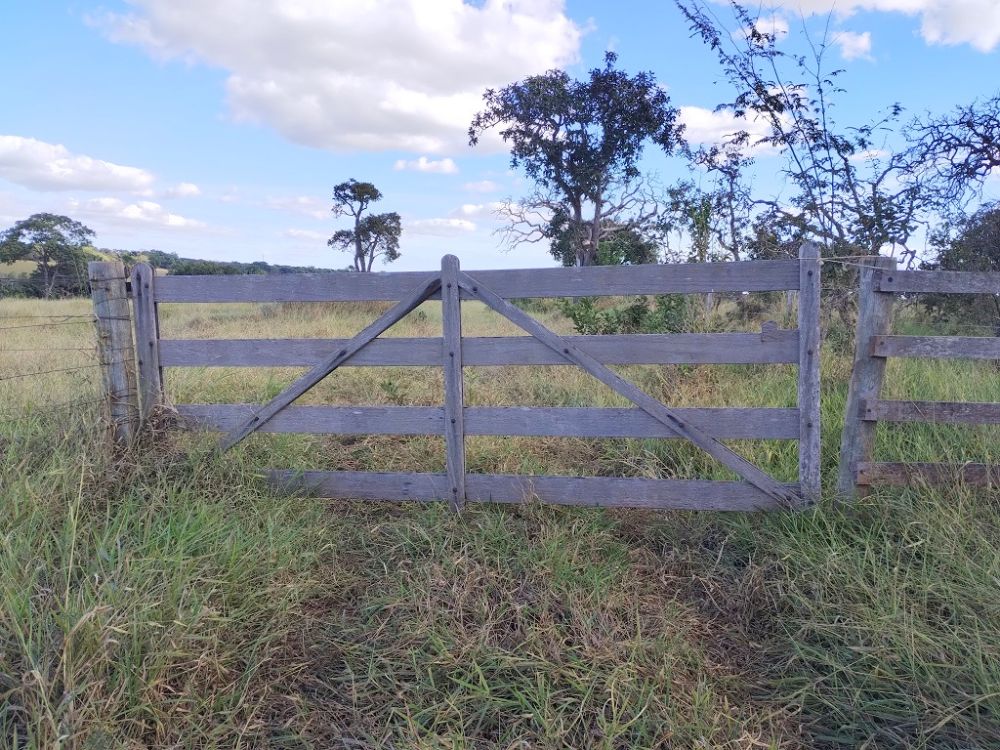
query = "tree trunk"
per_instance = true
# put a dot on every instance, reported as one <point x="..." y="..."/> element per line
<point x="43" y="263"/>
<point x="359" y="251"/>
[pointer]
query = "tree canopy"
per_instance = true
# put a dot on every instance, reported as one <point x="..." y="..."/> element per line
<point x="57" y="245"/>
<point x="580" y="142"/>
<point x="374" y="235"/>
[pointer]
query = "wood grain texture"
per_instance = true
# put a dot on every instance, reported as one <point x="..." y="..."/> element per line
<point x="771" y="346"/>
<point x="725" y="423"/>
<point x="915" y="474"/>
<point x="454" y="398"/>
<point x="146" y="339"/>
<point x="114" y="346"/>
<point x="952" y="282"/>
<point x="724" y="455"/>
<point x="328" y="365"/>
<point x="743" y="276"/>
<point x="665" y="494"/>
<point x="810" y="459"/>
<point x="874" y="318"/>
<point x="953" y="412"/>
<point x="936" y="347"/>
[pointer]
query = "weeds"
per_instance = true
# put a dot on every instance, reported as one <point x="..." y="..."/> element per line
<point x="169" y="599"/>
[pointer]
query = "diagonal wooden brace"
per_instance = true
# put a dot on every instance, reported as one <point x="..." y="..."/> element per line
<point x="644" y="401"/>
<point x="324" y="368"/>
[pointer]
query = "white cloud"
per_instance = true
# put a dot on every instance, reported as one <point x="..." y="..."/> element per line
<point x="119" y="212"/>
<point x="482" y="186"/>
<point x="307" y="235"/>
<point x="853" y="45"/>
<point x="773" y="25"/>
<point x="477" y="210"/>
<point x="423" y="164"/>
<point x="350" y="75"/>
<point x="39" y="165"/>
<point x="182" y="190"/>
<point x="706" y="126"/>
<point x="973" y="22"/>
<point x="439" y="227"/>
<point x="301" y="205"/>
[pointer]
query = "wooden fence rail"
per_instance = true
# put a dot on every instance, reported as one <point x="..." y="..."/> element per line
<point x="880" y="282"/>
<point x="454" y="420"/>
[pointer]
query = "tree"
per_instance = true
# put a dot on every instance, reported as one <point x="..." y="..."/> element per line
<point x="618" y="246"/>
<point x="580" y="142"/>
<point x="958" y="150"/>
<point x="57" y="245"/>
<point x="855" y="189"/>
<point x="970" y="243"/>
<point x="374" y="235"/>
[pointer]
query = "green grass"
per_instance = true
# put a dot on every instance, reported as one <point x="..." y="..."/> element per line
<point x="168" y="598"/>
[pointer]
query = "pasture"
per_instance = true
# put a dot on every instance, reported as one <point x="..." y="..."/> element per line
<point x="169" y="598"/>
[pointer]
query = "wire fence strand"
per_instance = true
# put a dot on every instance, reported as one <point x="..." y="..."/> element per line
<point x="47" y="372"/>
<point x="44" y="325"/>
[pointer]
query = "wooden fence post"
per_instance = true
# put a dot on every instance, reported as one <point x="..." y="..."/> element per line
<point x="454" y="399"/>
<point x="146" y="339"/>
<point x="114" y="345"/>
<point x="867" y="373"/>
<point x="810" y="458"/>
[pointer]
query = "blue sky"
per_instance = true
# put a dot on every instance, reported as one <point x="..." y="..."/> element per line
<point x="217" y="129"/>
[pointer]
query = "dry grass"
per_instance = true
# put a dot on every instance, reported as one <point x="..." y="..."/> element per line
<point x="169" y="599"/>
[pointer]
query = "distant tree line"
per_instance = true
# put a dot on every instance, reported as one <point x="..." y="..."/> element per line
<point x="59" y="249"/>
<point x="178" y="266"/>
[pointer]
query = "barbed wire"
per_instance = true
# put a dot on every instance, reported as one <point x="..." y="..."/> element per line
<point x="47" y="372"/>
<point x="92" y="348"/>
<point x="45" y="317"/>
<point x="47" y="325"/>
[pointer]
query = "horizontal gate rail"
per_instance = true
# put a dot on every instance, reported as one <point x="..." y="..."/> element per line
<point x="954" y="412"/>
<point x="771" y="346"/>
<point x="911" y="473"/>
<point x="936" y="347"/>
<point x="659" y="494"/>
<point x="946" y="282"/>
<point x="728" y="423"/>
<point x="591" y="281"/>
<point x="880" y="281"/>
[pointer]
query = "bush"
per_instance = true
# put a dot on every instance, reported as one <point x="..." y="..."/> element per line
<point x="668" y="313"/>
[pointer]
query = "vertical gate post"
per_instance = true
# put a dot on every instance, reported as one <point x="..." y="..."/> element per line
<point x="867" y="373"/>
<point x="810" y="458"/>
<point x="146" y="339"/>
<point x="454" y="400"/>
<point x="114" y="346"/>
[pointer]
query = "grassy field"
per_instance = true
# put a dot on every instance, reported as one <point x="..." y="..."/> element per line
<point x="168" y="598"/>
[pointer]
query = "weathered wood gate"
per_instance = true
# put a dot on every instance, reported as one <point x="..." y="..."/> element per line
<point x="704" y="427"/>
<point x="874" y="344"/>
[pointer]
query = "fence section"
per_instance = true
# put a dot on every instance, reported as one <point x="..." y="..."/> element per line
<point x="880" y="282"/>
<point x="453" y="352"/>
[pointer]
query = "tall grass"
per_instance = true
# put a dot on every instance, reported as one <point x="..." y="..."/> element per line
<point x="167" y="598"/>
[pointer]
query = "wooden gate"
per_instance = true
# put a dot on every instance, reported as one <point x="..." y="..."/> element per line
<point x="880" y="283"/>
<point x="704" y="427"/>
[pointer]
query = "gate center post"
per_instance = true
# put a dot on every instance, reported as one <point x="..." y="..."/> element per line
<point x="454" y="399"/>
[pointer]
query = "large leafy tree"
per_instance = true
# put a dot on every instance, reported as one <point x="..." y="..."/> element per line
<point x="619" y="246"/>
<point x="374" y="235"/>
<point x="968" y="243"/>
<point x="57" y="245"/>
<point x="580" y="142"/>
